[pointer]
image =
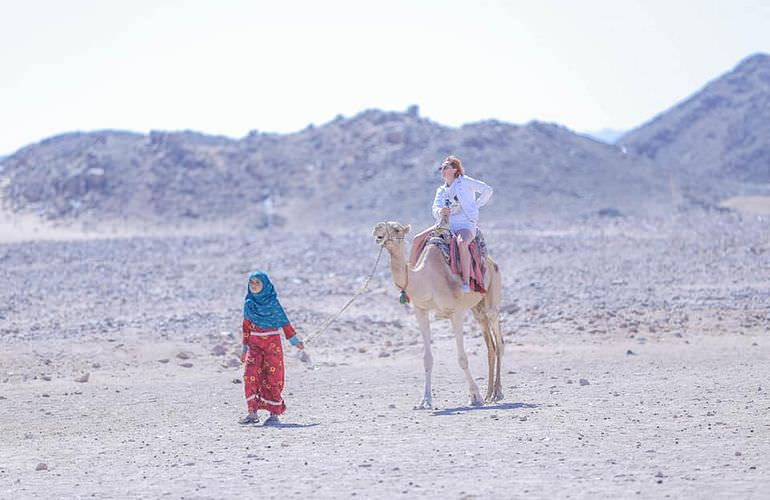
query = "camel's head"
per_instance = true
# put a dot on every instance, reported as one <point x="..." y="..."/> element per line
<point x="389" y="233"/>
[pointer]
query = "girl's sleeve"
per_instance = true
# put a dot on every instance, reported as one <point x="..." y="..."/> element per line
<point x="290" y="334"/>
<point x="246" y="330"/>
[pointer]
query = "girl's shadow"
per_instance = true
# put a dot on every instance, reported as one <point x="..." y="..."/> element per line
<point x="500" y="406"/>
<point x="289" y="426"/>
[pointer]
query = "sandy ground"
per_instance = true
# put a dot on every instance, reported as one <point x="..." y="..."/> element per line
<point x="679" y="418"/>
<point x="667" y="325"/>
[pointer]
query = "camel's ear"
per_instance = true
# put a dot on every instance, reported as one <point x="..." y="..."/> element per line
<point x="407" y="228"/>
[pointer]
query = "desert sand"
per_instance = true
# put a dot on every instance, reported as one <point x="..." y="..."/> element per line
<point x="636" y="366"/>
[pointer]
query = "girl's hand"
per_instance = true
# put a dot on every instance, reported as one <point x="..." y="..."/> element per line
<point x="301" y="346"/>
<point x="243" y="356"/>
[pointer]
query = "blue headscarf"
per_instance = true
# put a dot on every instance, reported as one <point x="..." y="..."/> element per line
<point x="263" y="308"/>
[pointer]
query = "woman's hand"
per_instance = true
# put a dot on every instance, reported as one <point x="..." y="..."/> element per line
<point x="445" y="212"/>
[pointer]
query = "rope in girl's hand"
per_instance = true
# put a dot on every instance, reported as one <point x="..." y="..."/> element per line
<point x="329" y="321"/>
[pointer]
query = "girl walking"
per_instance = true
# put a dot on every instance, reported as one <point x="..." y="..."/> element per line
<point x="262" y="353"/>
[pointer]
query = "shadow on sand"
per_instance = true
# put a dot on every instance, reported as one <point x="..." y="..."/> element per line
<point x="499" y="406"/>
<point x="288" y="426"/>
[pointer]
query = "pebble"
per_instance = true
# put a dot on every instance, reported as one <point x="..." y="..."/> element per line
<point x="219" y="350"/>
<point x="236" y="381"/>
<point x="186" y="365"/>
<point x="42" y="466"/>
<point x="584" y="382"/>
<point x="164" y="360"/>
<point x="83" y="378"/>
<point x="630" y="353"/>
<point x="184" y="355"/>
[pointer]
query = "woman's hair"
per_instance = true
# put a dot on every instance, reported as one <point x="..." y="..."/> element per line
<point x="456" y="164"/>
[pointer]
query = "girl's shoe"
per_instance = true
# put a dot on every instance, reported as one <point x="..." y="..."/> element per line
<point x="466" y="288"/>
<point x="251" y="418"/>
<point x="273" y="420"/>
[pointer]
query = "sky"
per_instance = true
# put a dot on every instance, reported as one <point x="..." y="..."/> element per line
<point x="231" y="66"/>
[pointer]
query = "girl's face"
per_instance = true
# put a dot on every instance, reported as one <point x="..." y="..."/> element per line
<point x="255" y="285"/>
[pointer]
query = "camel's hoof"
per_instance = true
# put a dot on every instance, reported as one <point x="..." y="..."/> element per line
<point x="424" y="405"/>
<point x="476" y="401"/>
<point x="499" y="397"/>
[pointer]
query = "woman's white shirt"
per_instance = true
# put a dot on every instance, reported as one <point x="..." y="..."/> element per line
<point x="463" y="203"/>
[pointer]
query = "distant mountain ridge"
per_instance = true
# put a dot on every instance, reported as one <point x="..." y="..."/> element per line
<point x="375" y="164"/>
<point x="720" y="132"/>
<point x="608" y="135"/>
<point x="382" y="165"/>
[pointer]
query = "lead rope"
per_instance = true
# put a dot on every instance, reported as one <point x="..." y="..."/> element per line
<point x="329" y="321"/>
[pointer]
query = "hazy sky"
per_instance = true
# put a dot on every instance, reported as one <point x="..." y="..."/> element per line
<point x="230" y="66"/>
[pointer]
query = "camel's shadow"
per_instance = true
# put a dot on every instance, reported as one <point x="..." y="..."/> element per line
<point x="500" y="406"/>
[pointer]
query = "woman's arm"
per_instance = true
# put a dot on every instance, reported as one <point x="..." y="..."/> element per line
<point x="437" y="204"/>
<point x="485" y="193"/>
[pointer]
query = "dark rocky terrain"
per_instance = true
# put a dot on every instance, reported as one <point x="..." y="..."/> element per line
<point x="374" y="163"/>
<point x="717" y="138"/>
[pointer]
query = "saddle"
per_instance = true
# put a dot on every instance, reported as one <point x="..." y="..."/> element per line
<point x="443" y="238"/>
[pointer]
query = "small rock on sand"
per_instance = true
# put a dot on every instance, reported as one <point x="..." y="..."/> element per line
<point x="83" y="378"/>
<point x="186" y="365"/>
<point x="584" y="382"/>
<point x="184" y="355"/>
<point x="164" y="360"/>
<point x="219" y="350"/>
<point x="42" y="466"/>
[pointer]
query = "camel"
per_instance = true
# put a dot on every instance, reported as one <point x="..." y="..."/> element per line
<point x="432" y="286"/>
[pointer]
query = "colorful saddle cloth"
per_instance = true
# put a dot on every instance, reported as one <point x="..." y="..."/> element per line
<point x="447" y="243"/>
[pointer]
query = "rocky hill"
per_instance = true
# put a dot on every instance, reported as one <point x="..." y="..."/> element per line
<point x="375" y="165"/>
<point x="382" y="165"/>
<point x="718" y="139"/>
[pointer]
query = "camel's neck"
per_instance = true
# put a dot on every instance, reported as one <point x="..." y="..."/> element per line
<point x="398" y="267"/>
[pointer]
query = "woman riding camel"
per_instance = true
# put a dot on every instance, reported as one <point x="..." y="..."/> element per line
<point x="456" y="199"/>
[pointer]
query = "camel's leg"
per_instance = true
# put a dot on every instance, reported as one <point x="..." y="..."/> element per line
<point x="497" y="338"/>
<point x="480" y="314"/>
<point x="492" y="306"/>
<point x="462" y="359"/>
<point x="424" y="323"/>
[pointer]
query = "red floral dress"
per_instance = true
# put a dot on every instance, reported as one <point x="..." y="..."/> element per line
<point x="263" y="370"/>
